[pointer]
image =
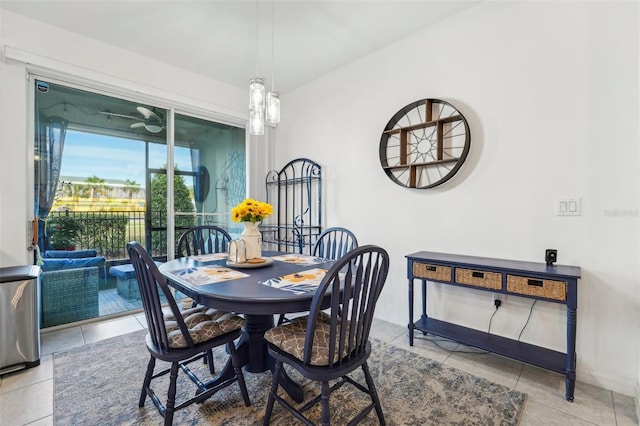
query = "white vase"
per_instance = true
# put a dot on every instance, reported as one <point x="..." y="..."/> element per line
<point x="252" y="240"/>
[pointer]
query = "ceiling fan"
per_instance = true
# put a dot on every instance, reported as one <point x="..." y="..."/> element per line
<point x="150" y="120"/>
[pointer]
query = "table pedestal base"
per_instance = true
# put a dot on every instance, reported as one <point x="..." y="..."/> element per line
<point x="254" y="356"/>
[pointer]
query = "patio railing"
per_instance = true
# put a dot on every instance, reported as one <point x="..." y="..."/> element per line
<point x="109" y="232"/>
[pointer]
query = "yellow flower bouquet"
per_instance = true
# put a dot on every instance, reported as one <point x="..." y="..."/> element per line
<point x="250" y="210"/>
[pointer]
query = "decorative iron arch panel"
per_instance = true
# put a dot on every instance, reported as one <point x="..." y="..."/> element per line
<point x="295" y="191"/>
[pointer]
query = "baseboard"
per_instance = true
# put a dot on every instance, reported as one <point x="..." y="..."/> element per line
<point x="615" y="384"/>
<point x="638" y="401"/>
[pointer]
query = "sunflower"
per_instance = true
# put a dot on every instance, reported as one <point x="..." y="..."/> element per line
<point x="250" y="210"/>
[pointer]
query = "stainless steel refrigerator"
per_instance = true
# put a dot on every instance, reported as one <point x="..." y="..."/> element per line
<point x="19" y="318"/>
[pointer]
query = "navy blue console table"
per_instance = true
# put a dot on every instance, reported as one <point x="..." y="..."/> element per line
<point x="557" y="284"/>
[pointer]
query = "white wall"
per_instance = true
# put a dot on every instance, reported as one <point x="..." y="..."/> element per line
<point x="60" y="54"/>
<point x="550" y="90"/>
<point x="551" y="94"/>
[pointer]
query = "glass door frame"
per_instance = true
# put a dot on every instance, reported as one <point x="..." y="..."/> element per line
<point x="98" y="89"/>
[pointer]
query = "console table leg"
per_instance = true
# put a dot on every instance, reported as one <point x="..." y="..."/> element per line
<point x="424" y="303"/>
<point x="570" y="371"/>
<point x="570" y="385"/>
<point x="410" y="326"/>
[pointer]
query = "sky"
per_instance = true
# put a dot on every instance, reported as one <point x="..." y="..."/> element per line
<point x="110" y="158"/>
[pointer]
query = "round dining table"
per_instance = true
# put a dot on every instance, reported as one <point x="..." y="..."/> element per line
<point x="249" y="290"/>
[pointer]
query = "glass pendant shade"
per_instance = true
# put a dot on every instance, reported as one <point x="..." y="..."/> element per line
<point x="256" y="122"/>
<point x="256" y="94"/>
<point x="272" y="115"/>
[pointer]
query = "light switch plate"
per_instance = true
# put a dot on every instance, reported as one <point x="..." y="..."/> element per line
<point x="569" y="206"/>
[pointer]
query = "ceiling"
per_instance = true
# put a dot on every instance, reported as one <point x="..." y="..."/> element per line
<point x="218" y="39"/>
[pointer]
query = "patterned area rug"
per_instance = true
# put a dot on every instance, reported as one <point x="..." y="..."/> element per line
<point x="99" y="384"/>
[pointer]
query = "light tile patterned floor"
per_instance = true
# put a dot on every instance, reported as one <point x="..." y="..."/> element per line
<point x="26" y="398"/>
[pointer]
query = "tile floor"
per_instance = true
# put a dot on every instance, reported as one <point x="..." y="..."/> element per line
<point x="26" y="398"/>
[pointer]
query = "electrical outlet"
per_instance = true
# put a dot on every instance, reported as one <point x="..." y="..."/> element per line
<point x="497" y="296"/>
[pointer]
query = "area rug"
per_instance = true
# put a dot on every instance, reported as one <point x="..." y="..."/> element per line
<point x="99" y="384"/>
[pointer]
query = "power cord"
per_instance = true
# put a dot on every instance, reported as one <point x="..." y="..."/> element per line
<point x="497" y="303"/>
<point x="437" y="339"/>
<point x="528" y="318"/>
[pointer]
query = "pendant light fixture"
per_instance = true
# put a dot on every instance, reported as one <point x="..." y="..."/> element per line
<point x="273" y="108"/>
<point x="256" y="121"/>
<point x="262" y="106"/>
<point x="256" y="94"/>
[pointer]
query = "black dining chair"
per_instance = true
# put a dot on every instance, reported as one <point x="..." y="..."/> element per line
<point x="204" y="239"/>
<point x="180" y="338"/>
<point x="336" y="340"/>
<point x="332" y="243"/>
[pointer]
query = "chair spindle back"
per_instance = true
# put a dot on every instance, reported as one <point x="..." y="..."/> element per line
<point x="203" y="240"/>
<point x="351" y="287"/>
<point x="334" y="243"/>
<point x="153" y="285"/>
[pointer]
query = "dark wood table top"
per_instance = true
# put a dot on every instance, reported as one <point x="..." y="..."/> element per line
<point x="247" y="295"/>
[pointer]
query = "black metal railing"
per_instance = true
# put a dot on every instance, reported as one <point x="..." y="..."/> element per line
<point x="109" y="232"/>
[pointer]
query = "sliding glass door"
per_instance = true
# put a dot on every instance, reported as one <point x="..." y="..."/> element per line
<point x="101" y="179"/>
<point x="209" y="160"/>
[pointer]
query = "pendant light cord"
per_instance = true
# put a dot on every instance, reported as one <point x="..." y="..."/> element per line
<point x="272" y="43"/>
<point x="257" y="34"/>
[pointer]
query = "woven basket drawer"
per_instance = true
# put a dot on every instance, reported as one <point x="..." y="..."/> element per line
<point x="548" y="289"/>
<point x="483" y="279"/>
<point x="431" y="272"/>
